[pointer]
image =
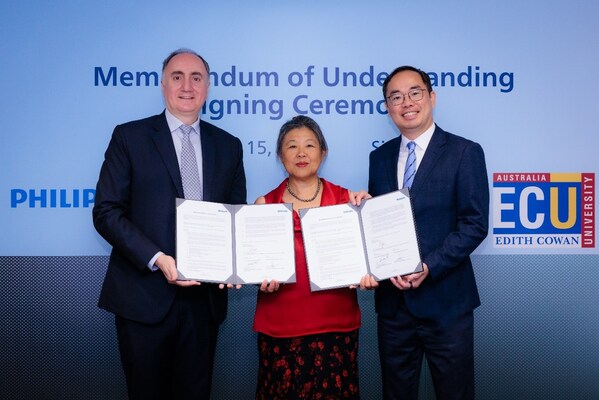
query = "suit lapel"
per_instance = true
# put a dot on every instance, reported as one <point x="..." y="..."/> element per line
<point x="391" y="164"/>
<point x="208" y="159"/>
<point x="164" y="144"/>
<point x="432" y="154"/>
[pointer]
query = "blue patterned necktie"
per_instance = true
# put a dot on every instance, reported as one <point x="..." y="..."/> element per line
<point x="408" y="176"/>
<point x="192" y="187"/>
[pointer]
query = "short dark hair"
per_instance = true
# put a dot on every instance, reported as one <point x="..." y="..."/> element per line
<point x="425" y="78"/>
<point x="301" y="121"/>
<point x="184" y="51"/>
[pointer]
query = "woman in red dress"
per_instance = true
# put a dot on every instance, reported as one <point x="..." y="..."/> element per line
<point x="307" y="341"/>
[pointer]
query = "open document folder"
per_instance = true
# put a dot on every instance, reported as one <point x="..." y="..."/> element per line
<point x="344" y="242"/>
<point x="237" y="244"/>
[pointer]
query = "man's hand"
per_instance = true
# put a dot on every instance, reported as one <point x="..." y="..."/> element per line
<point x="411" y="281"/>
<point x="169" y="268"/>
<point x="228" y="286"/>
<point x="356" y="197"/>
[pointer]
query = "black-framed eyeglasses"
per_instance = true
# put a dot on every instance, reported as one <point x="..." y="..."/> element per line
<point x="397" y="98"/>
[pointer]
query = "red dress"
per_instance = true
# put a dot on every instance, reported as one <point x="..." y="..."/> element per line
<point x="295" y="311"/>
<point x="307" y="341"/>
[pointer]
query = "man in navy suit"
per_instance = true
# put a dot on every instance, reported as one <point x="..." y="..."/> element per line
<point x="430" y="313"/>
<point x="166" y="329"/>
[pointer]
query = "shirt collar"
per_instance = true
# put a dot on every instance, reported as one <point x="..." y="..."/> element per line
<point x="421" y="141"/>
<point x="174" y="123"/>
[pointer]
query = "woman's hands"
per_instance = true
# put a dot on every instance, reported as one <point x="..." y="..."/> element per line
<point x="269" y="286"/>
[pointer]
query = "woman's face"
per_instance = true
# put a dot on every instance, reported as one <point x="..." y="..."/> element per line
<point x="301" y="154"/>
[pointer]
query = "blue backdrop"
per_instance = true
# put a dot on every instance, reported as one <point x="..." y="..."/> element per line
<point x="517" y="77"/>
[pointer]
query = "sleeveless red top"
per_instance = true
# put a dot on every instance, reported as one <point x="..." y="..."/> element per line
<point x="295" y="311"/>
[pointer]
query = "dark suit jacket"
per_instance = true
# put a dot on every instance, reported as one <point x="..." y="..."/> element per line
<point x="450" y="199"/>
<point x="135" y="211"/>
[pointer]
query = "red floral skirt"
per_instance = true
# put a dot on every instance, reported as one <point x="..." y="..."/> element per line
<point x="322" y="366"/>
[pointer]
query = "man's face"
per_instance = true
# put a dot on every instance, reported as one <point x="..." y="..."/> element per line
<point x="411" y="117"/>
<point x="185" y="83"/>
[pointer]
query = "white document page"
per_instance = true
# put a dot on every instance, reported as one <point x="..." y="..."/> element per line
<point x="264" y="243"/>
<point x="390" y="235"/>
<point x="333" y="244"/>
<point x="204" y="241"/>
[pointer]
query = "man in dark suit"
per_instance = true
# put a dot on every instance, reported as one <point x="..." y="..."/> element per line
<point x="430" y="313"/>
<point x="166" y="328"/>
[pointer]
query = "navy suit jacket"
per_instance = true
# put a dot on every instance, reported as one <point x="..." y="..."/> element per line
<point x="450" y="200"/>
<point x="135" y="211"/>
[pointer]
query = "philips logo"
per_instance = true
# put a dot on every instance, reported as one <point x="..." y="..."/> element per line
<point x="52" y="198"/>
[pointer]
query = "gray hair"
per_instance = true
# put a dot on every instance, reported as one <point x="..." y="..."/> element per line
<point x="301" y="121"/>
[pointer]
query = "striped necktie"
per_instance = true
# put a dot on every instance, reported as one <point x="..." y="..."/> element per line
<point x="410" y="171"/>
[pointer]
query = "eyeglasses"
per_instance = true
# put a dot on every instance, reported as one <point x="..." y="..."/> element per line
<point x="397" y="99"/>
